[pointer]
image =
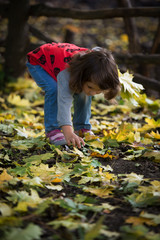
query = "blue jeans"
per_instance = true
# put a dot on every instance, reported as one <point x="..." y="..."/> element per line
<point x="81" y="102"/>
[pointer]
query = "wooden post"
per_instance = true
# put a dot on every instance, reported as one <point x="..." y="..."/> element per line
<point x="131" y="28"/>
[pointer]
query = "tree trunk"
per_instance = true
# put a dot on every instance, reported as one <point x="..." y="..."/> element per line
<point x="17" y="39"/>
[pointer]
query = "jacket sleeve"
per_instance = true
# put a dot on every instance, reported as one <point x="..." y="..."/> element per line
<point x="64" y="99"/>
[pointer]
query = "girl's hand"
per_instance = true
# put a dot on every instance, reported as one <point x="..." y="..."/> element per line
<point x="71" y="137"/>
<point x="74" y="140"/>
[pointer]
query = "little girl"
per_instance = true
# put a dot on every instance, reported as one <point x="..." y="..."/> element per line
<point x="69" y="73"/>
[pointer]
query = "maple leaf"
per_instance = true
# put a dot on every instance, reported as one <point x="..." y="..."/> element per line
<point x="96" y="144"/>
<point x="31" y="232"/>
<point x="124" y="133"/>
<point x="37" y="159"/>
<point x="23" y="196"/>
<point x="139" y="220"/>
<point x="28" y="143"/>
<point x="151" y="124"/>
<point x="142" y="199"/>
<point x="100" y="192"/>
<point x="155" y="135"/>
<point x="28" y="133"/>
<point x="36" y="181"/>
<point x="77" y="151"/>
<point x="130" y="90"/>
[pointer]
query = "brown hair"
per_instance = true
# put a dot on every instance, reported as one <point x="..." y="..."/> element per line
<point x="97" y="66"/>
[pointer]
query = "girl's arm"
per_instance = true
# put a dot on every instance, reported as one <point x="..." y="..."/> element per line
<point x="71" y="137"/>
<point x="64" y="110"/>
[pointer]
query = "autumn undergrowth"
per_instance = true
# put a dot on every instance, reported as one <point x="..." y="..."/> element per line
<point x="105" y="190"/>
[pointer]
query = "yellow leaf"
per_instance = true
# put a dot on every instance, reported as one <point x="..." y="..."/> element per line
<point x="27" y="200"/>
<point x="5" y="176"/>
<point x="100" y="192"/>
<point x="125" y="133"/>
<point x="89" y="137"/>
<point x="124" y="38"/>
<point x="112" y="108"/>
<point x="151" y="124"/>
<point x="77" y="151"/>
<point x="6" y="116"/>
<point x="154" y="135"/>
<point x="96" y="144"/>
<point x="22" y="84"/>
<point x="16" y="100"/>
<point x="23" y="206"/>
<point x="60" y="153"/>
<point x="110" y="176"/>
<point x="153" y="189"/>
<point x="37" y="103"/>
<point x="130" y="90"/>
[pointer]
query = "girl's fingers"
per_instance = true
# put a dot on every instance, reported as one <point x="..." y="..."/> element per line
<point x="72" y="141"/>
<point x="77" y="141"/>
<point x="82" y="141"/>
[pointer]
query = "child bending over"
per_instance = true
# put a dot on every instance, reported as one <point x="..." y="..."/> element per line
<point x="68" y="73"/>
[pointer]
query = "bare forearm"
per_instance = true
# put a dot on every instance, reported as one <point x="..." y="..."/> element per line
<point x="67" y="129"/>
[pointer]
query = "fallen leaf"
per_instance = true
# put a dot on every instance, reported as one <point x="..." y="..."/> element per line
<point x="100" y="192"/>
<point x="139" y="220"/>
<point x="5" y="176"/>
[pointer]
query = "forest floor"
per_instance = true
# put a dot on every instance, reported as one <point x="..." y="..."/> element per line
<point x="109" y="189"/>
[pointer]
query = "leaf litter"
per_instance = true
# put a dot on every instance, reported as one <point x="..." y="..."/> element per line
<point x="109" y="189"/>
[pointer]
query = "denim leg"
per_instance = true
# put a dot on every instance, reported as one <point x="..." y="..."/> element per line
<point x="82" y="111"/>
<point x="49" y="86"/>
